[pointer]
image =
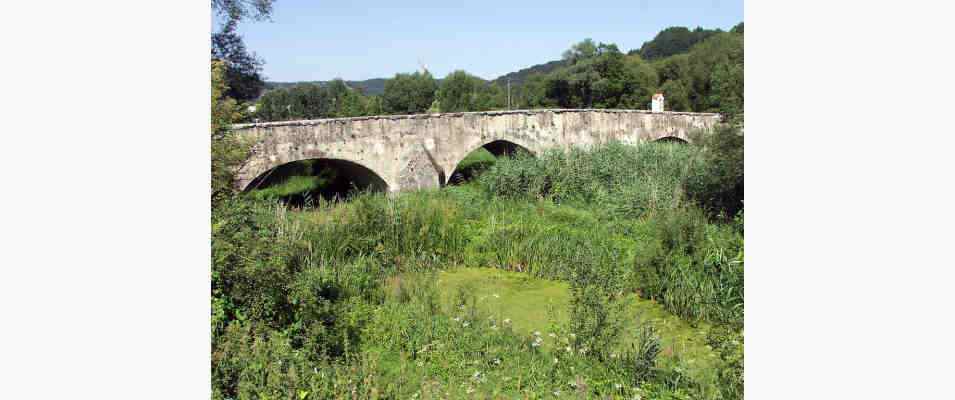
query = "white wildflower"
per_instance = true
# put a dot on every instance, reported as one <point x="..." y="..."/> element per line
<point x="551" y="334"/>
<point x="537" y="333"/>
<point x="507" y="321"/>
<point x="557" y="393"/>
<point x="466" y="323"/>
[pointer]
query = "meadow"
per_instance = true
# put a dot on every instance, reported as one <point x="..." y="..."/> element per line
<point x="614" y="272"/>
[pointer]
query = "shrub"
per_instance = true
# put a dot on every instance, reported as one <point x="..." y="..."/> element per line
<point x="694" y="268"/>
<point x="728" y="344"/>
<point x="595" y="306"/>
<point x="718" y="186"/>
<point x="640" y="361"/>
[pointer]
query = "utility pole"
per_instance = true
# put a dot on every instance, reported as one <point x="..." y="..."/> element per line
<point x="508" y="93"/>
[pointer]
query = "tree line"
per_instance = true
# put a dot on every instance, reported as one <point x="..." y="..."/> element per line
<point x="706" y="77"/>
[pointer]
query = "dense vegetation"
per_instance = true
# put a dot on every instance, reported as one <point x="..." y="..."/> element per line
<point x="344" y="301"/>
<point x="700" y="70"/>
<point x="612" y="272"/>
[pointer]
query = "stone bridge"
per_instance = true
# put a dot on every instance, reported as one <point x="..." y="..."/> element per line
<point x="407" y="152"/>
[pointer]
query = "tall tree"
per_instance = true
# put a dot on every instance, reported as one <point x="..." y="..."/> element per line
<point x="242" y="68"/>
<point x="409" y="93"/>
<point x="461" y="91"/>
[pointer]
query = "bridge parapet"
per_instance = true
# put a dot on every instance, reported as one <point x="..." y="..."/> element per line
<point x="422" y="150"/>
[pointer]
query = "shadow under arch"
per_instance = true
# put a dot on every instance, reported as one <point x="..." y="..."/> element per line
<point x="671" y="139"/>
<point x="298" y="182"/>
<point x="483" y="157"/>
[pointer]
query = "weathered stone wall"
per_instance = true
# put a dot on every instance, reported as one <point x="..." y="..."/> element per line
<point x="420" y="151"/>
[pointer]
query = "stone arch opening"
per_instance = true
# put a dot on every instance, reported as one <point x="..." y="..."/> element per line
<point x="482" y="158"/>
<point x="671" y="139"/>
<point x="299" y="182"/>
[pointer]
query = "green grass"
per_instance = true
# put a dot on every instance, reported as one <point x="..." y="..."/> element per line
<point x="294" y="185"/>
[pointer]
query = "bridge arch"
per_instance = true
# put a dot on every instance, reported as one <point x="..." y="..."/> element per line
<point x="497" y="148"/>
<point x="672" y="139"/>
<point x="334" y="177"/>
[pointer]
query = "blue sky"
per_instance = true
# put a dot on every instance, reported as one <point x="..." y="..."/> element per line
<point x="356" y="40"/>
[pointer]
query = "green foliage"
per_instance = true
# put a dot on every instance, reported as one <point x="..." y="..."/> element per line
<point x="641" y="360"/>
<point x="313" y="101"/>
<point x="626" y="180"/>
<point x="694" y="268"/>
<point x="699" y="70"/>
<point x="600" y="76"/>
<point x="461" y="91"/>
<point x="242" y="70"/>
<point x="711" y="74"/>
<point x="472" y="165"/>
<point x="596" y="309"/>
<point x="674" y="40"/>
<point x="728" y="343"/>
<point x="409" y="93"/>
<point x="227" y="151"/>
<point x="295" y="186"/>
<point x="343" y="300"/>
<point x="718" y="186"/>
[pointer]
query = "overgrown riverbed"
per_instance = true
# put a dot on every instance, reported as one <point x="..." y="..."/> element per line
<point x="590" y="273"/>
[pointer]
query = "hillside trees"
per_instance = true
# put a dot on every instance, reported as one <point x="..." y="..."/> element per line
<point x="674" y="40"/>
<point x="709" y="78"/>
<point x="703" y="75"/>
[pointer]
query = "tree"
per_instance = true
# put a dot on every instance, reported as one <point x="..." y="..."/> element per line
<point x="409" y="93"/>
<point x="461" y="91"/>
<point x="602" y="77"/>
<point x="581" y="51"/>
<point x="243" y="69"/>
<point x="237" y="10"/>
<point x="227" y="151"/>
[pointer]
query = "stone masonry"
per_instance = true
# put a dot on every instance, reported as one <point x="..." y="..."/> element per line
<point x="411" y="152"/>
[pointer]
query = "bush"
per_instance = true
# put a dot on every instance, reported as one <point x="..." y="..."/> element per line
<point x="694" y="268"/>
<point x="718" y="186"/>
<point x="728" y="344"/>
<point x="641" y="360"/>
<point x="596" y="308"/>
